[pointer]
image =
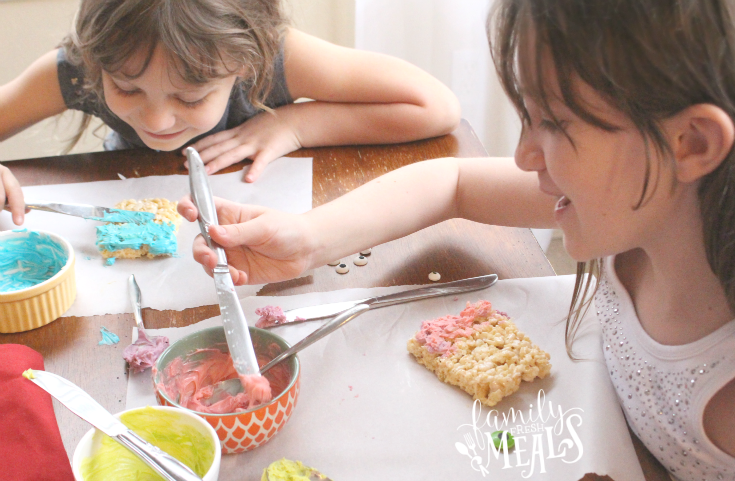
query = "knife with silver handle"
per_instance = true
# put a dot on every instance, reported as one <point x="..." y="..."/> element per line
<point x="232" y="387"/>
<point x="324" y="330"/>
<point x="91" y="212"/>
<point x="134" y="294"/>
<point x="311" y="313"/>
<point x="83" y="405"/>
<point x="233" y="319"/>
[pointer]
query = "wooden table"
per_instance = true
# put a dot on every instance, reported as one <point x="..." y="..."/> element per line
<point x="457" y="249"/>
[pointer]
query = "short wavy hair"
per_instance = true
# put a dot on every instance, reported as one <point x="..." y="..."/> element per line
<point x="203" y="40"/>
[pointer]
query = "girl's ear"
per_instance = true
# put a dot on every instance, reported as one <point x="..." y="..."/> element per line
<point x="702" y="136"/>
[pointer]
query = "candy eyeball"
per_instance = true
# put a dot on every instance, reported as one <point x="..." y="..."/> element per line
<point x="360" y="261"/>
<point x="342" y="269"/>
<point x="366" y="252"/>
<point x="434" y="276"/>
<point x="335" y="263"/>
<point x="497" y="438"/>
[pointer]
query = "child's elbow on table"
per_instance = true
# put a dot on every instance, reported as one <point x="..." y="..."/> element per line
<point x="443" y="111"/>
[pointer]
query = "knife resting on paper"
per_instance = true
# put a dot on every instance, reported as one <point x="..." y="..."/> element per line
<point x="313" y="313"/>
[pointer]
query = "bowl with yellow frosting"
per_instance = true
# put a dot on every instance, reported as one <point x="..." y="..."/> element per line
<point x="186" y="372"/>
<point x="37" y="281"/>
<point x="178" y="432"/>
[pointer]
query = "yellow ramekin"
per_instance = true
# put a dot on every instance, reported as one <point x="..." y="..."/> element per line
<point x="38" y="305"/>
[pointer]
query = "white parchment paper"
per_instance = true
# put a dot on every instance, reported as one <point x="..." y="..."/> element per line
<point x="166" y="282"/>
<point x="367" y="410"/>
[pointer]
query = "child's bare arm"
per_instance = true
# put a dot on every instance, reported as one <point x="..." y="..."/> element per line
<point x="31" y="97"/>
<point x="264" y="245"/>
<point x="360" y="98"/>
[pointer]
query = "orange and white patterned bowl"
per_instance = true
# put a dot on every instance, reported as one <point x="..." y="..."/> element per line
<point x="246" y="430"/>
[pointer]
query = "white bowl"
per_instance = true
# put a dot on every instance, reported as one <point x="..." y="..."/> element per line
<point x="91" y="441"/>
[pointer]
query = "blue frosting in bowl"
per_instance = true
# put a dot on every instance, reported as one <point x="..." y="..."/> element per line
<point x="28" y="260"/>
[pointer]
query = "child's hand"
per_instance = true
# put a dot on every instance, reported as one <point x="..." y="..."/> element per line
<point x="262" y="245"/>
<point x="10" y="190"/>
<point x="262" y="138"/>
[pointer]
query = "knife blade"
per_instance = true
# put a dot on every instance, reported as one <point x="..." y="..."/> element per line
<point x="83" y="405"/>
<point x="91" y="212"/>
<point x="233" y="319"/>
<point x="312" y="313"/>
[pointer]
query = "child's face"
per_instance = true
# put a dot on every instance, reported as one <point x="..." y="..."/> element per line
<point x="598" y="180"/>
<point x="165" y="111"/>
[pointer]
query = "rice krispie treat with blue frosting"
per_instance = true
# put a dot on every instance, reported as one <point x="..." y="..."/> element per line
<point x="130" y="240"/>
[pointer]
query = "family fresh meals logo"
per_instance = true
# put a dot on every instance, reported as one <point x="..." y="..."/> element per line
<point x="523" y="440"/>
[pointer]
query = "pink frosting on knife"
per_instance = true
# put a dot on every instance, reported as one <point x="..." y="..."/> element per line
<point x="271" y="316"/>
<point x="144" y="352"/>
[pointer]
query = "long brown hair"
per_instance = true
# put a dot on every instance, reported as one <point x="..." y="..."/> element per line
<point x="203" y="39"/>
<point x="648" y="59"/>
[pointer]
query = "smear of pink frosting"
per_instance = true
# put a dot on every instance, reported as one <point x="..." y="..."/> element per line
<point x="437" y="335"/>
<point x="269" y="316"/>
<point x="144" y="352"/>
<point x="190" y="381"/>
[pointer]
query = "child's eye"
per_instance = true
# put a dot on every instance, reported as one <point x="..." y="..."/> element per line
<point x="125" y="93"/>
<point x="551" y="126"/>
<point x="192" y="104"/>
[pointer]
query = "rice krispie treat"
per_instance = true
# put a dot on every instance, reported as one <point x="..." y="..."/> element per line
<point x="481" y="351"/>
<point x="150" y="239"/>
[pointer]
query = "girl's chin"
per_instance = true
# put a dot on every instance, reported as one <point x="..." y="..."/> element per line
<point x="577" y="250"/>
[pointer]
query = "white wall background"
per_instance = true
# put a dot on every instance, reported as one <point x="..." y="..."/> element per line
<point x="447" y="39"/>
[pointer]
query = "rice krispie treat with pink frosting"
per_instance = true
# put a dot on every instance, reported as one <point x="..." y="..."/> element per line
<point x="481" y="351"/>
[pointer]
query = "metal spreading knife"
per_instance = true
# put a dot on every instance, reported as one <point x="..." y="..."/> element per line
<point x="233" y="319"/>
<point x="312" y="313"/>
<point x="91" y="212"/>
<point x="83" y="405"/>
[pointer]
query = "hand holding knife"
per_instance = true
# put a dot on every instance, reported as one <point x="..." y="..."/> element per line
<point x="233" y="319"/>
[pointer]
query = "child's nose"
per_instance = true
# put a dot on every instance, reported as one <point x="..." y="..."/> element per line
<point x="157" y="119"/>
<point x="529" y="155"/>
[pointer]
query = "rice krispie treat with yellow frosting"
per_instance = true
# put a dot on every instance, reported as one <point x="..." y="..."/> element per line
<point x="481" y="351"/>
<point x="149" y="239"/>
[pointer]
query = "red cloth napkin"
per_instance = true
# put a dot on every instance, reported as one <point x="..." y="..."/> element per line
<point x="30" y="442"/>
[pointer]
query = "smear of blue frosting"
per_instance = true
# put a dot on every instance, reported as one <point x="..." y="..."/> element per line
<point x="26" y="261"/>
<point x="161" y="238"/>
<point x="108" y="337"/>
<point x="125" y="216"/>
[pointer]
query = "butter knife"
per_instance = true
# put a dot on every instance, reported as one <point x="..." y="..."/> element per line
<point x="312" y="313"/>
<point x="91" y="212"/>
<point x="233" y="319"/>
<point x="83" y="405"/>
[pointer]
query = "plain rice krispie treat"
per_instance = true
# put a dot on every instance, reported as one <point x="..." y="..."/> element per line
<point x="151" y="239"/>
<point x="481" y="351"/>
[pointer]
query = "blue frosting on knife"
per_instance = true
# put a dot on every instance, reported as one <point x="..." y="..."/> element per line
<point x="125" y="216"/>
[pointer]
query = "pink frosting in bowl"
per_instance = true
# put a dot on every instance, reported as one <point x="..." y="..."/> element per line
<point x="185" y="373"/>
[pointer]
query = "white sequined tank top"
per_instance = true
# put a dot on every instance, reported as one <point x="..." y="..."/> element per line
<point x="664" y="389"/>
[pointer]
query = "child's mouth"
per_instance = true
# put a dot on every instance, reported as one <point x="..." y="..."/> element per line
<point x="562" y="203"/>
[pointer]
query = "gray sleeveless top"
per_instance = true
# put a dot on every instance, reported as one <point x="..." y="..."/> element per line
<point x="123" y="136"/>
